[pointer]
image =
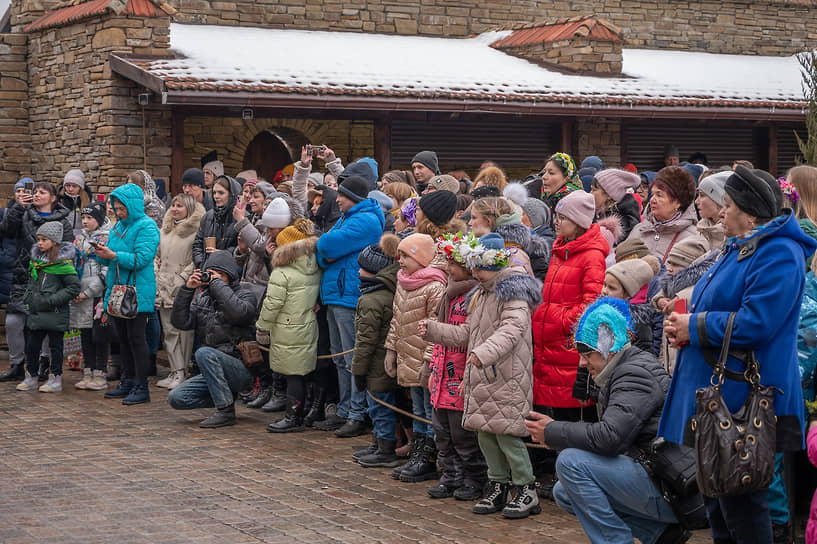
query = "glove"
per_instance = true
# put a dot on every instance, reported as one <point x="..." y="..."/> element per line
<point x="390" y="363"/>
<point x="360" y="382"/>
<point x="262" y="337"/>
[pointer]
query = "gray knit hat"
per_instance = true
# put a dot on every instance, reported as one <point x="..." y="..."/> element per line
<point x="51" y="230"/>
<point x="74" y="176"/>
<point x="714" y="186"/>
<point x="537" y="211"/>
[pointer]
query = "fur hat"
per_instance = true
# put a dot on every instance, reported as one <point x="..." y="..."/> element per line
<point x="277" y="215"/>
<point x="74" y="176"/>
<point x="216" y="167"/>
<point x="634" y="274"/>
<point x="419" y="247"/>
<point x="193" y="176"/>
<point x="617" y="183"/>
<point x="354" y="188"/>
<point x="676" y="181"/>
<point x="632" y="248"/>
<point x="97" y="210"/>
<point x="579" y="207"/>
<point x="51" y="230"/>
<point x="439" y="206"/>
<point x="485" y="191"/>
<point x="429" y="160"/>
<point x="301" y="229"/>
<point x="445" y="183"/>
<point x="604" y="327"/>
<point x="714" y="186"/>
<point x="515" y="192"/>
<point x="376" y="257"/>
<point x="687" y="250"/>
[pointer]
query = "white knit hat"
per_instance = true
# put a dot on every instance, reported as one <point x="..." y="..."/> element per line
<point x="74" y="176"/>
<point x="277" y="215"/>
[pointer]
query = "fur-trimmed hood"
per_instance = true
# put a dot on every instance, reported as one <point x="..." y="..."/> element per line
<point x="289" y="253"/>
<point x="186" y="228"/>
<point x="512" y="283"/>
<point x="66" y="252"/>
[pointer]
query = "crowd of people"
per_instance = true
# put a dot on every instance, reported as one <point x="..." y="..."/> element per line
<point x="509" y="340"/>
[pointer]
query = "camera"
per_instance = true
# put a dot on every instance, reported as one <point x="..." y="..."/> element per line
<point x="205" y="276"/>
<point x="314" y="150"/>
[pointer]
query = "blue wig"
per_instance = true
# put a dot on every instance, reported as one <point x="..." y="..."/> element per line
<point x="604" y="326"/>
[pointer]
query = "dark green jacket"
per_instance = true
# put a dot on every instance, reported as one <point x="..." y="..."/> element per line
<point x="372" y="321"/>
<point x="48" y="295"/>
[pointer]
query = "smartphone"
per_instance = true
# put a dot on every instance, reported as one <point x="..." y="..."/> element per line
<point x="100" y="198"/>
<point x="28" y="186"/>
<point x="314" y="150"/>
<point x="680" y="306"/>
<point x="94" y="244"/>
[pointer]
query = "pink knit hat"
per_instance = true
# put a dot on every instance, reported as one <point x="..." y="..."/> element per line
<point x="616" y="182"/>
<point x="419" y="247"/>
<point x="579" y="207"/>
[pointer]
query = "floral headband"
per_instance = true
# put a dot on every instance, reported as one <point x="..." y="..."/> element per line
<point x="448" y="245"/>
<point x="467" y="251"/>
<point x="566" y="163"/>
<point x="788" y="190"/>
<point x="410" y="211"/>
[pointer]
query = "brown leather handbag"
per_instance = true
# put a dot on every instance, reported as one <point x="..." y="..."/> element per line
<point x="250" y="353"/>
<point x="735" y="452"/>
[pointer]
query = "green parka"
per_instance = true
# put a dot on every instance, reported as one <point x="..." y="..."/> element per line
<point x="372" y="322"/>
<point x="51" y="286"/>
<point x="287" y="312"/>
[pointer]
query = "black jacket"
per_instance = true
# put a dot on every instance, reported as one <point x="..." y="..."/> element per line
<point x="328" y="212"/>
<point x="629" y="213"/>
<point x="8" y="253"/>
<point x="218" y="224"/>
<point x="629" y="407"/>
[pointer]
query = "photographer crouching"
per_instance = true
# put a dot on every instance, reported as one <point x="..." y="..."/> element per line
<point x="223" y="314"/>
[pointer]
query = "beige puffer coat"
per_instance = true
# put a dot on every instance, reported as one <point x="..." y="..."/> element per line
<point x="416" y="298"/>
<point x="498" y="394"/>
<point x="174" y="258"/>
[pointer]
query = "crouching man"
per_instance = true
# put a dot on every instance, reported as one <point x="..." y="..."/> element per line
<point x="600" y="481"/>
<point x="223" y="315"/>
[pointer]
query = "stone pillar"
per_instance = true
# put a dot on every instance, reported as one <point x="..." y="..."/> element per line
<point x="15" y="156"/>
<point x="598" y="136"/>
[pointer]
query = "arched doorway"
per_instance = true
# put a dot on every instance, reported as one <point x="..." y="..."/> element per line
<point x="272" y="149"/>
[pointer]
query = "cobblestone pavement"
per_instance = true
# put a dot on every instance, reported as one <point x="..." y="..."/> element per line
<point x="77" y="468"/>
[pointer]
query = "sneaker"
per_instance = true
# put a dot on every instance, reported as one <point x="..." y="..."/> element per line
<point x="87" y="376"/>
<point x="53" y="385"/>
<point x="442" y="491"/>
<point x="524" y="503"/>
<point x="98" y="383"/>
<point x="172" y="380"/>
<point x="496" y="496"/>
<point x="29" y="384"/>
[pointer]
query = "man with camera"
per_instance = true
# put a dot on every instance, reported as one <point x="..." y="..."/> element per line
<point x="223" y="314"/>
<point x="601" y="480"/>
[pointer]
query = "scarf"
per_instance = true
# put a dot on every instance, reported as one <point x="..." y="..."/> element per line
<point x="370" y="285"/>
<point x="562" y="191"/>
<point x="411" y="282"/>
<point x="607" y="371"/>
<point x="59" y="268"/>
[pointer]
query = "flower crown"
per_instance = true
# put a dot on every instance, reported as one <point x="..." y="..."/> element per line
<point x="466" y="250"/>
<point x="788" y="190"/>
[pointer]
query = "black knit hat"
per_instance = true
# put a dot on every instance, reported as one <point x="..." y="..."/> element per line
<point x="354" y="188"/>
<point x="484" y="191"/>
<point x="193" y="176"/>
<point x="373" y="260"/>
<point x="97" y="210"/>
<point x="439" y="206"/>
<point x="755" y="192"/>
<point x="429" y="160"/>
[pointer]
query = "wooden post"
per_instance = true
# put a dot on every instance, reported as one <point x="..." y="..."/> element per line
<point x="566" y="139"/>
<point x="773" y="151"/>
<point x="382" y="144"/>
<point x="177" y="156"/>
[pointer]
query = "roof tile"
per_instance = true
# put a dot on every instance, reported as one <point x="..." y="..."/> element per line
<point x="74" y="12"/>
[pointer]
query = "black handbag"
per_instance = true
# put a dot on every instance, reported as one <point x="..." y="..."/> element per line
<point x="104" y="330"/>
<point x="735" y="452"/>
<point x="123" y="302"/>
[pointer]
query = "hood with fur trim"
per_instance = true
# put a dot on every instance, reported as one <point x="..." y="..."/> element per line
<point x="687" y="277"/>
<point x="512" y="283"/>
<point x="289" y="253"/>
<point x="67" y="251"/>
<point x="186" y="228"/>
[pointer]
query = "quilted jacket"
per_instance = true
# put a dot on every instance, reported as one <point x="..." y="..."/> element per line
<point x="659" y="238"/>
<point x="574" y="280"/>
<point x="174" y="263"/>
<point x="498" y="393"/>
<point x="416" y="298"/>
<point x="92" y="275"/>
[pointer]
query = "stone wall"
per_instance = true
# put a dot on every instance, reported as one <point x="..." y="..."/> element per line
<point x="580" y="54"/>
<point x="771" y="27"/>
<point x="15" y="147"/>
<point x="597" y="136"/>
<point x="86" y="117"/>
<point x="230" y="136"/>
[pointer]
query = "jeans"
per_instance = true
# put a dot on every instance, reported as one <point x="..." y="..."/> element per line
<point x="742" y="519"/>
<point x="383" y="419"/>
<point x="34" y="342"/>
<point x="421" y="407"/>
<point x="507" y="458"/>
<point x="221" y="377"/>
<point x="153" y="333"/>
<point x="613" y="497"/>
<point x="458" y="454"/>
<point x="352" y="403"/>
<point x="15" y="337"/>
<point x="133" y="348"/>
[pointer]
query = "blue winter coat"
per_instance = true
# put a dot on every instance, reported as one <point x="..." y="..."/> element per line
<point x="339" y="248"/>
<point x="135" y="241"/>
<point x="8" y="252"/>
<point x="761" y="278"/>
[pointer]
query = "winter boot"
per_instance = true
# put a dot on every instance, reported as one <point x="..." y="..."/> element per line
<point x="546" y="486"/>
<point x="87" y="376"/>
<point x="371" y="448"/>
<point x="28" y="384"/>
<point x="293" y="421"/>
<point x="222" y="417"/>
<point x="494" y="500"/>
<point x="383" y="457"/>
<point x="468" y="492"/>
<point x="251" y="392"/>
<point x="316" y="411"/>
<point x="138" y="395"/>
<point x="351" y="429"/>
<point x="524" y="503"/>
<point x="53" y="385"/>
<point x="442" y="491"/>
<point x="414" y="456"/>
<point x="262" y="398"/>
<point x="277" y="401"/>
<point x="14" y="373"/>
<point x="331" y="422"/>
<point x="426" y="466"/>
<point x="98" y="382"/>
<point x="121" y="390"/>
<point x="45" y="366"/>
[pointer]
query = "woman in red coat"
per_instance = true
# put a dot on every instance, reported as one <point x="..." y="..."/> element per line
<point x="573" y="281"/>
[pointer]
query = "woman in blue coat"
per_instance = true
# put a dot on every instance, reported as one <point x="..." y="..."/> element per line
<point x="760" y="276"/>
<point x="131" y="248"/>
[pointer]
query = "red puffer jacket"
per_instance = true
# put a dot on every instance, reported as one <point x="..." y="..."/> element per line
<point x="574" y="280"/>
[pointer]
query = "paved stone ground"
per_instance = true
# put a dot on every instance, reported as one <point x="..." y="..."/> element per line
<point x="77" y="468"/>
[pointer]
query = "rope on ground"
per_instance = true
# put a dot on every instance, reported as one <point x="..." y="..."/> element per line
<point x="427" y="422"/>
<point x="347" y="352"/>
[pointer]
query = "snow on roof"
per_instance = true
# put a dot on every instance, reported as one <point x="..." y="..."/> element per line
<point x="317" y="62"/>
